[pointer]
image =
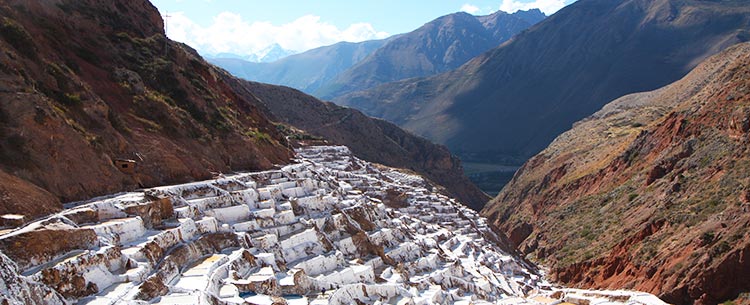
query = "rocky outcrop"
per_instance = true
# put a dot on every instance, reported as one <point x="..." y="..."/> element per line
<point x="311" y="232"/>
<point x="43" y="244"/>
<point x="18" y="289"/>
<point x="646" y="194"/>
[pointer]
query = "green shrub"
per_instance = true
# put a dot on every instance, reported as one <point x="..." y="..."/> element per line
<point x="707" y="237"/>
<point x="259" y="136"/>
<point x="632" y="196"/>
<point x="720" y="248"/>
<point x="71" y="99"/>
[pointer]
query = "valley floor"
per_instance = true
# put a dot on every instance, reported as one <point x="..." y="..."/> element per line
<point x="489" y="177"/>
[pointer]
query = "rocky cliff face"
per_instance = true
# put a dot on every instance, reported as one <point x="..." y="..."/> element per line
<point x="86" y="83"/>
<point x="650" y="193"/>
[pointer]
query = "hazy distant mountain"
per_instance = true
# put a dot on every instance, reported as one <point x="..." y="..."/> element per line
<point x="271" y="53"/>
<point x="438" y="46"/>
<point x="306" y="71"/>
<point x="510" y="102"/>
<point x="228" y="55"/>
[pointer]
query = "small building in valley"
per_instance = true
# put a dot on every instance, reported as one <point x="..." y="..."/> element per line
<point x="126" y="166"/>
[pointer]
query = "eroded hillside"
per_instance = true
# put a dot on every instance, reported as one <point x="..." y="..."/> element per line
<point x="650" y="193"/>
<point x="86" y="83"/>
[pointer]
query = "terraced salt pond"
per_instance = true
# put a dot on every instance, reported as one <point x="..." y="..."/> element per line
<point x="329" y="229"/>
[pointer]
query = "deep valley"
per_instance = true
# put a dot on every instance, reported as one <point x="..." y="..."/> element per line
<point x="562" y="152"/>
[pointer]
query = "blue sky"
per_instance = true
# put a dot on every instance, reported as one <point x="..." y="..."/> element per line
<point x="248" y="26"/>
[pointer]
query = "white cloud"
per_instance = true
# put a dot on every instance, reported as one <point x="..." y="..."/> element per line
<point x="471" y="9"/>
<point x="230" y="33"/>
<point x="549" y="7"/>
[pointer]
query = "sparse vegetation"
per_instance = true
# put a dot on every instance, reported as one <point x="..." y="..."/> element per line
<point x="150" y="125"/>
<point x="707" y="237"/>
<point x="116" y="121"/>
<point x="632" y="196"/>
<point x="720" y="248"/>
<point x="295" y="134"/>
<point x="59" y="73"/>
<point x="677" y="267"/>
<point x="71" y="99"/>
<point x="258" y="136"/>
<point x="161" y="112"/>
<point x="17" y="36"/>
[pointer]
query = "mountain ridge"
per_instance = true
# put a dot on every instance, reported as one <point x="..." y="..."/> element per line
<point x="76" y="103"/>
<point x="271" y="53"/>
<point x="585" y="55"/>
<point x="346" y="126"/>
<point x="438" y="46"/>
<point x="306" y="71"/>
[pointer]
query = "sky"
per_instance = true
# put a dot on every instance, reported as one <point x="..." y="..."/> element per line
<point x="246" y="27"/>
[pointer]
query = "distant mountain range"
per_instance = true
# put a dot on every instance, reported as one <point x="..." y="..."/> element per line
<point x="270" y="53"/>
<point x="438" y="46"/>
<point x="306" y="71"/>
<point x="507" y="104"/>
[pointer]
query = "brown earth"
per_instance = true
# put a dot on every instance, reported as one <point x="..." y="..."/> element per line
<point x="85" y="83"/>
<point x="650" y="193"/>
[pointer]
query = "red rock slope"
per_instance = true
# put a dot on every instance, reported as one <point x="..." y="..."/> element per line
<point x="651" y="193"/>
<point x="87" y="82"/>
